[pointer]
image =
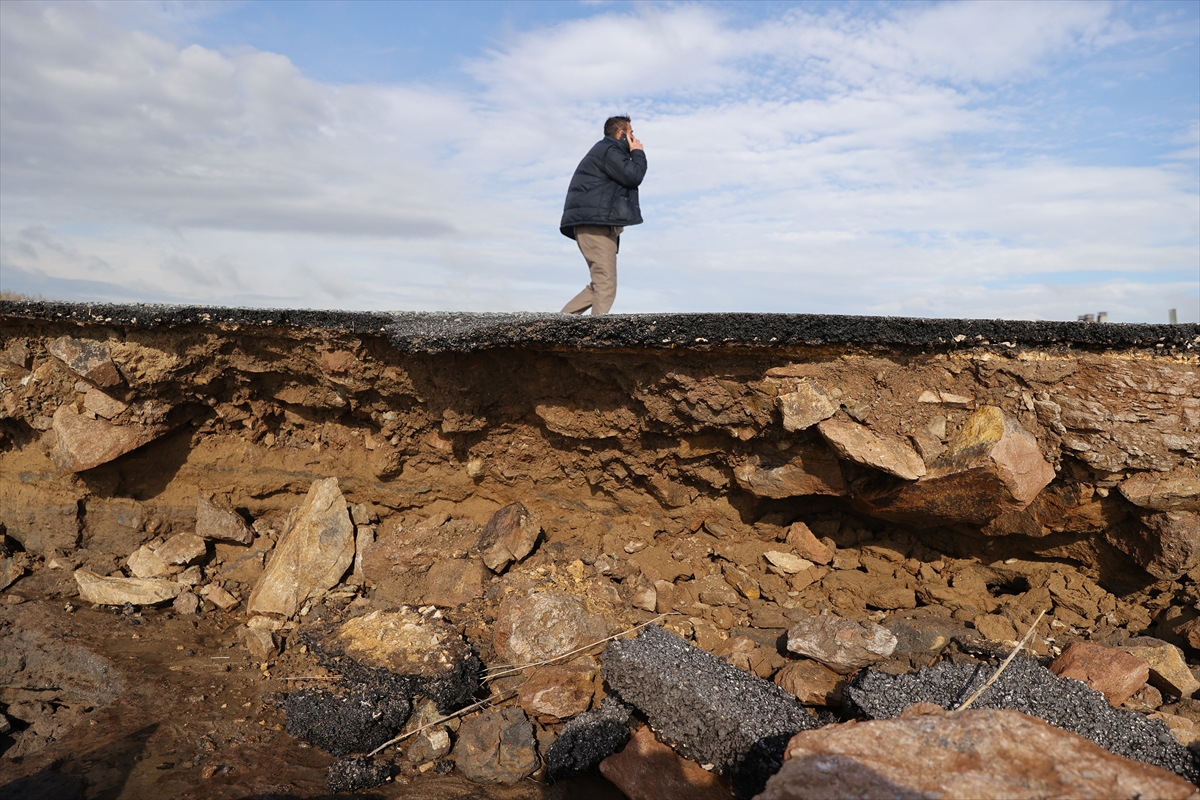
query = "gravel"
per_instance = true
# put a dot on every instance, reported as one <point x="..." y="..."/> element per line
<point x="1032" y="689"/>
<point x="707" y="709"/>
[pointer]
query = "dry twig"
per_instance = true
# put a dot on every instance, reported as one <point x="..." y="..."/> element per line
<point x="1004" y="665"/>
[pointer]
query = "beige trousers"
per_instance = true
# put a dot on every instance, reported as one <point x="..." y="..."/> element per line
<point x="598" y="243"/>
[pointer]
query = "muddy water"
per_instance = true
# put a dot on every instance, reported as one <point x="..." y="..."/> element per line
<point x="186" y="719"/>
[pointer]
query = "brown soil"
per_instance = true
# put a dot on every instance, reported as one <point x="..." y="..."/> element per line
<point x="629" y="459"/>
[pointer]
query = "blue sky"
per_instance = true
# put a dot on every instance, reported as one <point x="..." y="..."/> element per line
<point x="1019" y="160"/>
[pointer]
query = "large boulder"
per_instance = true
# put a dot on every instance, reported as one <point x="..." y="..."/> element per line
<point x="1165" y="544"/>
<point x="859" y="444"/>
<point x="809" y="469"/>
<point x="82" y="442"/>
<point x="992" y="466"/>
<point x="87" y="359"/>
<point x="1004" y="755"/>
<point x="312" y="555"/>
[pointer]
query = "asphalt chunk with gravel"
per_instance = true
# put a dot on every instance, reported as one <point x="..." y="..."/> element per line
<point x="707" y="709"/>
<point x="590" y="738"/>
<point x="352" y="774"/>
<point x="1032" y="689"/>
<point x="352" y="721"/>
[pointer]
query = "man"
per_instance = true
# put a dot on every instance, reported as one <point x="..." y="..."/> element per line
<point x="601" y="201"/>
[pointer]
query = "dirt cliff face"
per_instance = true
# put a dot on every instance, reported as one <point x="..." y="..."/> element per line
<point x="989" y="479"/>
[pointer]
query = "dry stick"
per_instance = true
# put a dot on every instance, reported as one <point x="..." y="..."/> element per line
<point x="495" y="698"/>
<point x="1004" y="665"/>
<point x="514" y="670"/>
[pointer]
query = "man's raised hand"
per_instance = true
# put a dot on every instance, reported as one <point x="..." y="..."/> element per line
<point x="634" y="142"/>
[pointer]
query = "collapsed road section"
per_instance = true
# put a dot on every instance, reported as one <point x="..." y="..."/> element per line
<point x="266" y="553"/>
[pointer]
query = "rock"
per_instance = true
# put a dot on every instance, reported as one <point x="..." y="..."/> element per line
<point x="787" y="563"/>
<point x="745" y="654"/>
<point x="978" y="754"/>
<point x="192" y="576"/>
<point x="995" y="628"/>
<point x="509" y="536"/>
<point x="353" y="774"/>
<point x="841" y="644"/>
<point x="364" y="537"/>
<point x="559" y="692"/>
<point x="453" y="582"/>
<point x="102" y="405"/>
<point x="346" y="721"/>
<point x="992" y="466"/>
<point x="496" y="746"/>
<point x="1166" y="544"/>
<point x="588" y="739"/>
<point x="222" y="524"/>
<point x="1182" y="729"/>
<point x="145" y="563"/>
<point x="543" y="625"/>
<point x="182" y="548"/>
<point x="361" y="514"/>
<point x="806" y="545"/>
<point x="219" y="597"/>
<point x="12" y="567"/>
<point x="89" y="360"/>
<point x="1168" y="669"/>
<point x="804" y="407"/>
<point x="811" y="683"/>
<point x="119" y="591"/>
<point x="1115" y="674"/>
<point x="859" y="444"/>
<point x="811" y="470"/>
<point x="402" y="650"/>
<point x="1031" y="689"/>
<point x="311" y="556"/>
<point x="261" y="643"/>
<point x="647" y="769"/>
<point x="5" y="725"/>
<point x="642" y="594"/>
<point x="708" y="710"/>
<point x="82" y="443"/>
<point x="739" y="579"/>
<point x="1178" y="490"/>
<point x="944" y="398"/>
<point x="429" y="745"/>
<point x="186" y="604"/>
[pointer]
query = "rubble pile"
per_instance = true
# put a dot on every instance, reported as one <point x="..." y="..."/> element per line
<point x="668" y="573"/>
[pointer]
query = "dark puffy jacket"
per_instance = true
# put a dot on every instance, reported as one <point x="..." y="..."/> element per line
<point x="603" y="190"/>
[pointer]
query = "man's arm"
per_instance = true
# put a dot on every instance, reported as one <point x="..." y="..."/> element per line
<point x="627" y="169"/>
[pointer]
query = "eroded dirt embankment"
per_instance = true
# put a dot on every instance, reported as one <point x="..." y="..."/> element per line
<point x="947" y="478"/>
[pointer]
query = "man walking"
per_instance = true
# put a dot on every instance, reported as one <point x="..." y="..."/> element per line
<point x="601" y="201"/>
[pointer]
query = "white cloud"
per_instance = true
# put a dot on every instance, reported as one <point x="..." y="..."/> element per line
<point x="833" y="161"/>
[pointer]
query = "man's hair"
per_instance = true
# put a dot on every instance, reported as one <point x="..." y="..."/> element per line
<point x="614" y="125"/>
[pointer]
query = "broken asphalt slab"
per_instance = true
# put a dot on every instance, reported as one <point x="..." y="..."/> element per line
<point x="437" y="332"/>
